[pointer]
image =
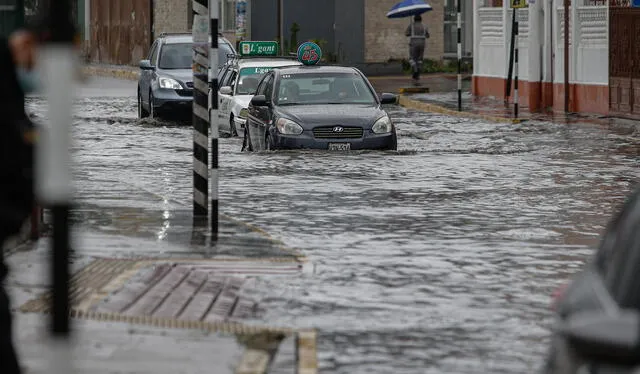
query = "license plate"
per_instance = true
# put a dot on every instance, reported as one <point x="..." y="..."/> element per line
<point x="339" y="146"/>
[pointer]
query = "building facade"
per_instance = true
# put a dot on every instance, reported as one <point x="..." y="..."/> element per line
<point x="358" y="31"/>
<point x="541" y="51"/>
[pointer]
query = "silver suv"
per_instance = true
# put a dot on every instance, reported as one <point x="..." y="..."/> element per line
<point x="165" y="87"/>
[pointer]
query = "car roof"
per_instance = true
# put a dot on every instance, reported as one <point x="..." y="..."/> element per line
<point x="302" y="69"/>
<point x="266" y="62"/>
<point x="185" y="38"/>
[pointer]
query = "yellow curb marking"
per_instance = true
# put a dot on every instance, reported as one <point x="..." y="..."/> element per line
<point x="307" y="352"/>
<point x="432" y="108"/>
<point x="254" y="361"/>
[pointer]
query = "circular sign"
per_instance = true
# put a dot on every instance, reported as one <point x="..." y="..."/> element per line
<point x="309" y="53"/>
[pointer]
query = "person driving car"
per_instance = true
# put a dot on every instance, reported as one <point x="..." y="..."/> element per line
<point x="343" y="89"/>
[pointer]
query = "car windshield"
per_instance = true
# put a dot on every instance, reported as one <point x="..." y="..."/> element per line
<point x="249" y="78"/>
<point x="180" y="55"/>
<point x="323" y="88"/>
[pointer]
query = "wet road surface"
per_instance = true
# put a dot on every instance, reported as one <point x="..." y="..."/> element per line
<point x="438" y="258"/>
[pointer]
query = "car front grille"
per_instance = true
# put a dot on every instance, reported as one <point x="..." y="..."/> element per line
<point x="190" y="84"/>
<point x="333" y="132"/>
<point x="185" y="93"/>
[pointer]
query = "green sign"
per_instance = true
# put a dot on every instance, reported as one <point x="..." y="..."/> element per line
<point x="309" y="53"/>
<point x="254" y="71"/>
<point x="258" y="48"/>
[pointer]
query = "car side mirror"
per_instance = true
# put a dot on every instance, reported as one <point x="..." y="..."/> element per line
<point x="259" y="100"/>
<point x="388" y="98"/>
<point x="226" y="90"/>
<point x="610" y="338"/>
<point x="146" y="65"/>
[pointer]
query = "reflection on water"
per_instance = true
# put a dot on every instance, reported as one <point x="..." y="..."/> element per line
<point x="440" y="257"/>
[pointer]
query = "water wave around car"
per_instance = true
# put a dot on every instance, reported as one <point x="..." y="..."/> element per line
<point x="438" y="258"/>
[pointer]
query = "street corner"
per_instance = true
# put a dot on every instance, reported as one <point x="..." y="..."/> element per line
<point x="411" y="103"/>
<point x="215" y="296"/>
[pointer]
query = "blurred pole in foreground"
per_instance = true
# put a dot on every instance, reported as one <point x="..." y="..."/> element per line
<point x="201" y="115"/>
<point x="53" y="162"/>
<point x="459" y="22"/>
<point x="213" y="114"/>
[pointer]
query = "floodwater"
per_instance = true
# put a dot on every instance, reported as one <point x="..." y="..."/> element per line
<point x="438" y="258"/>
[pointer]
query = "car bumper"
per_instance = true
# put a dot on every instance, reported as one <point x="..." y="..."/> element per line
<point x="306" y="140"/>
<point x="239" y="122"/>
<point x="168" y="101"/>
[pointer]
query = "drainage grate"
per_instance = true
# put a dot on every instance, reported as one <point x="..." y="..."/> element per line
<point x="187" y="290"/>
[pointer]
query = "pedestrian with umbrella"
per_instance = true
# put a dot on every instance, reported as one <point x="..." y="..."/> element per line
<point x="417" y="32"/>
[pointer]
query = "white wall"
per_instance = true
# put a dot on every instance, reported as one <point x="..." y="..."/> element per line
<point x="588" y="58"/>
<point x="489" y="39"/>
<point x="589" y="53"/>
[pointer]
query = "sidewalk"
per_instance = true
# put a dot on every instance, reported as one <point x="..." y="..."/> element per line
<point x="150" y="295"/>
<point x="495" y="109"/>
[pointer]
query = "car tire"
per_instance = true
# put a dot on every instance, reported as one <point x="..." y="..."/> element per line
<point x="142" y="113"/>
<point x="232" y="127"/>
<point x="245" y="141"/>
<point x="394" y="143"/>
<point x="268" y="143"/>
<point x="152" y="110"/>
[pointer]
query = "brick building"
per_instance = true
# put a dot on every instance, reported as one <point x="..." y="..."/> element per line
<point x="384" y="38"/>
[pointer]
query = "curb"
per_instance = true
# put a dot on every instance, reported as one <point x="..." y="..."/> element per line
<point x="111" y="72"/>
<point x="408" y="103"/>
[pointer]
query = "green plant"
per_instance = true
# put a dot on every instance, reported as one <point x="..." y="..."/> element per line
<point x="322" y="43"/>
<point x="331" y="57"/>
<point x="430" y="66"/>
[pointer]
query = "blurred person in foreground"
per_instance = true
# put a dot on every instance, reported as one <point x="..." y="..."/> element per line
<point x="18" y="76"/>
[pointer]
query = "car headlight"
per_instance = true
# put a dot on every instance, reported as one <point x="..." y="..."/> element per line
<point x="243" y="113"/>
<point x="169" y="83"/>
<point x="383" y="125"/>
<point x="288" y="127"/>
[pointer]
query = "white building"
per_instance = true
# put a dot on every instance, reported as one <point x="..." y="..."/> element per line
<point x="541" y="51"/>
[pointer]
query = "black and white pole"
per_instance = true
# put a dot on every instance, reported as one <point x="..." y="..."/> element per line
<point x="57" y="64"/>
<point x="459" y="55"/>
<point x="200" y="111"/>
<point x="213" y="112"/>
<point x="515" y="69"/>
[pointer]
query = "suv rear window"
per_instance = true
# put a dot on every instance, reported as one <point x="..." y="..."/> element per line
<point x="180" y="55"/>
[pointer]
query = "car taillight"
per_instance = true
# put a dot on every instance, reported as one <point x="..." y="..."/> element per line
<point x="557" y="294"/>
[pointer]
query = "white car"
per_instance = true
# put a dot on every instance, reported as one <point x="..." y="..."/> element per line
<point x="238" y="83"/>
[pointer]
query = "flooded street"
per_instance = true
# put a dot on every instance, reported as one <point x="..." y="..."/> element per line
<point x="439" y="258"/>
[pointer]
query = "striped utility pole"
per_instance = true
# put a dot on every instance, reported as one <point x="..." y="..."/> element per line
<point x="200" y="113"/>
<point x="213" y="113"/>
<point x="515" y="66"/>
<point x="57" y="61"/>
<point x="459" y="55"/>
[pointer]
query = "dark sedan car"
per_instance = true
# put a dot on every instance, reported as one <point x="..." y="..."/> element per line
<point x="597" y="327"/>
<point x="319" y="107"/>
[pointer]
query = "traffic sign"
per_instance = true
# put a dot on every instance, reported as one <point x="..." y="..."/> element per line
<point x="515" y="4"/>
<point x="258" y="48"/>
<point x="309" y="53"/>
